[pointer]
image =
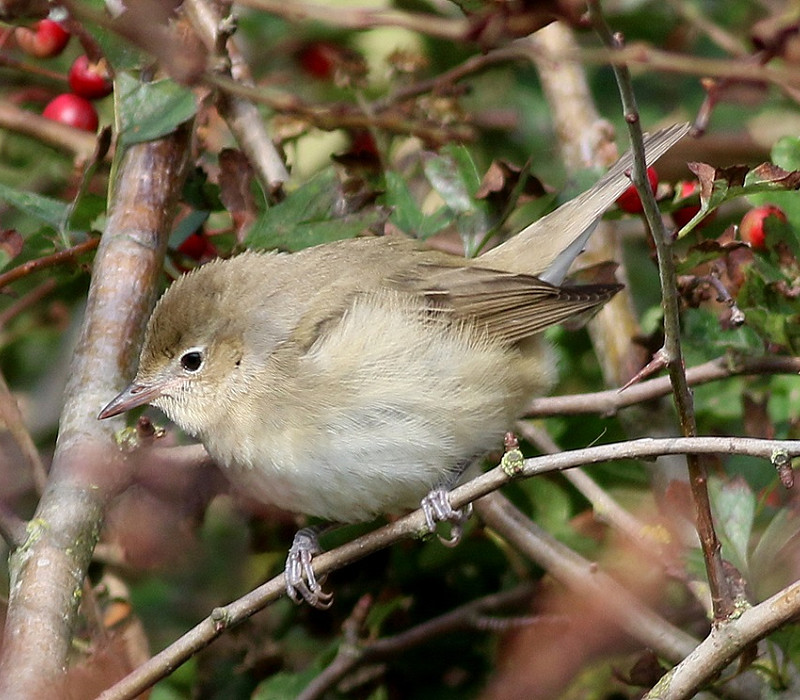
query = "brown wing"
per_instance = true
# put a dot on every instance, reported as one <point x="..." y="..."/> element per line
<point x="512" y="306"/>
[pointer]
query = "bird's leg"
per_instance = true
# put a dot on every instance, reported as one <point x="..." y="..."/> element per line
<point x="437" y="509"/>
<point x="301" y="583"/>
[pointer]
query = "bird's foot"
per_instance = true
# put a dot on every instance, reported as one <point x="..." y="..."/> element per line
<point x="301" y="582"/>
<point x="437" y="509"/>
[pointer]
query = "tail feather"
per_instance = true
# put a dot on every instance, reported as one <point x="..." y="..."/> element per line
<point x="548" y="246"/>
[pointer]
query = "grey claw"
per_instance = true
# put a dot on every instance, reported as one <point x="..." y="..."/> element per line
<point x="301" y="583"/>
<point x="437" y="509"/>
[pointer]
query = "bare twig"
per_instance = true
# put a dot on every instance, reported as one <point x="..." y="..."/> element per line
<point x="61" y="256"/>
<point x="455" y="28"/>
<point x="12" y="421"/>
<point x="242" y="116"/>
<point x="622" y="608"/>
<point x="724" y="643"/>
<point x="605" y="507"/>
<point x="694" y="16"/>
<point x="413" y="524"/>
<point x="53" y="133"/>
<point x="698" y="477"/>
<point x="12" y="527"/>
<point x="608" y="402"/>
<point x="343" y="115"/>
<point x="30" y="298"/>
<point x="466" y="617"/>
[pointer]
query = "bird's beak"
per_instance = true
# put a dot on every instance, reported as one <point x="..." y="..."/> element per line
<point x="135" y="395"/>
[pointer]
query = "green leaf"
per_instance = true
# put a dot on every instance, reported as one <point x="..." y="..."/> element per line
<point x="705" y="337"/>
<point x="304" y="218"/>
<point x="552" y="506"/>
<point x="151" y="110"/>
<point x="455" y="178"/>
<point x="782" y="529"/>
<point x="786" y="153"/>
<point x="445" y="177"/>
<point x="46" y="210"/>
<point x="406" y="215"/>
<point x="734" y="506"/>
<point x="313" y="233"/>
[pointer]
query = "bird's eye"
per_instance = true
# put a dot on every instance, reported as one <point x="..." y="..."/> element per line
<point x="192" y="360"/>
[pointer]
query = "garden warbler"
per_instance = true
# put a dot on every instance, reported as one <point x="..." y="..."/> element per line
<point x="353" y="378"/>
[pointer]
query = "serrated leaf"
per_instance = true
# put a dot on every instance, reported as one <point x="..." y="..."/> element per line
<point x="718" y="185"/>
<point x="44" y="209"/>
<point x="734" y="506"/>
<point x="151" y="110"/>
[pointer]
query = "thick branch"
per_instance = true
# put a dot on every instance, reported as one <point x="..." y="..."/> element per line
<point x="47" y="572"/>
<point x="725" y="642"/>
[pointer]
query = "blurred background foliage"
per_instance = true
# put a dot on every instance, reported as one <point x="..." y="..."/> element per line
<point x="423" y="174"/>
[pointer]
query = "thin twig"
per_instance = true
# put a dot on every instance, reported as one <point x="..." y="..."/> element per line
<point x="30" y="298"/>
<point x="12" y="527"/>
<point x="604" y="506"/>
<point x="22" y="121"/>
<point x="242" y="116"/>
<point x="61" y="256"/>
<point x="456" y="28"/>
<point x="725" y="642"/>
<point x="343" y="115"/>
<point x="609" y="402"/>
<point x="221" y="619"/>
<point x="13" y="422"/>
<point x="620" y="607"/>
<point x="466" y="617"/>
<point x="698" y="478"/>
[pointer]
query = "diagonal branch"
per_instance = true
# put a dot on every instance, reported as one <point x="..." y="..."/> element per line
<point x="48" y="571"/>
<point x="412" y="525"/>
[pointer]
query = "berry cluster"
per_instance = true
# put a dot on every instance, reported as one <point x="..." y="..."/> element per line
<point x="87" y="80"/>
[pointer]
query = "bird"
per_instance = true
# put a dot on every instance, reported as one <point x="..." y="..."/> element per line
<point x="360" y="377"/>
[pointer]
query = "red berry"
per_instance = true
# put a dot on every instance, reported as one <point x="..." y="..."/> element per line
<point x="629" y="200"/>
<point x="72" y="110"/>
<point x="89" y="80"/>
<point x="320" y="58"/>
<point x="362" y="143"/>
<point x="752" y="227"/>
<point x="684" y="215"/>
<point x="46" y="39"/>
<point x="197" y="247"/>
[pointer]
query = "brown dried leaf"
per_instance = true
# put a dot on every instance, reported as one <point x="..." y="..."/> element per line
<point x="235" y="181"/>
<point x="768" y="172"/>
<point x="706" y="174"/>
<point x="11" y="244"/>
<point x="502" y="177"/>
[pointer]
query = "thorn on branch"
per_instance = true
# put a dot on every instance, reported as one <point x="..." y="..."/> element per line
<point x="660" y="361"/>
